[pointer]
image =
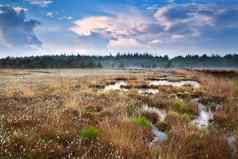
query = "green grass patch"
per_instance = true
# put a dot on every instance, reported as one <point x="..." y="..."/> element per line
<point x="89" y="133"/>
<point x="142" y="121"/>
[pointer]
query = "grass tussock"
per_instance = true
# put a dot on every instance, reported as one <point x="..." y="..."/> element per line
<point x="217" y="86"/>
<point x="188" y="110"/>
<point x="190" y="143"/>
<point x="130" y="138"/>
<point x="227" y="117"/>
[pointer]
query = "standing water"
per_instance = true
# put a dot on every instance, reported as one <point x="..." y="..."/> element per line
<point x="204" y="117"/>
<point x="116" y="86"/>
<point x="194" y="84"/>
<point x="159" y="136"/>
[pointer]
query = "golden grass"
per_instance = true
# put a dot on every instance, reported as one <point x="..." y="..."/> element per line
<point x="227" y="117"/>
<point x="217" y="86"/>
<point x="16" y="88"/>
<point x="125" y="135"/>
<point x="191" y="143"/>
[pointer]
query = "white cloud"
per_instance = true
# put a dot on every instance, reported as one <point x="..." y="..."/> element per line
<point x="50" y="14"/>
<point x="156" y="41"/>
<point x="42" y="3"/>
<point x="186" y="19"/>
<point x="124" y="43"/>
<point x="16" y="30"/>
<point x="119" y="29"/>
<point x="162" y="19"/>
<point x="66" y="18"/>
<point x="169" y="25"/>
<point x="120" y="25"/>
<point x="87" y="26"/>
<point x="18" y="9"/>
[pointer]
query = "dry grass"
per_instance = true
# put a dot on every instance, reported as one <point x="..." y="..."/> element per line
<point x="217" y="86"/>
<point x="227" y="117"/>
<point x="16" y="88"/>
<point x="190" y="143"/>
<point x="44" y="120"/>
<point x="129" y="138"/>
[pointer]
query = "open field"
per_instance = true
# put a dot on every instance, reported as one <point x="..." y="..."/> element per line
<point x="118" y="114"/>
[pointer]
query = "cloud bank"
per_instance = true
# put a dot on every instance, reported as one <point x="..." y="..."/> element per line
<point x="42" y="3"/>
<point x="121" y="29"/>
<point x="167" y="24"/>
<point x="15" y="30"/>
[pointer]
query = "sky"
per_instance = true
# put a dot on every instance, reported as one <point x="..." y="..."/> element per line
<point x="100" y="27"/>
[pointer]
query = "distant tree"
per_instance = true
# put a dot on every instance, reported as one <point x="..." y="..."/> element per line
<point x="120" y="60"/>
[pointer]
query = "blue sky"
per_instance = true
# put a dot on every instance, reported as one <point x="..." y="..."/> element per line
<point x="173" y="27"/>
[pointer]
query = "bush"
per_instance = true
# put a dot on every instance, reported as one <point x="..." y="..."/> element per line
<point x="184" y="108"/>
<point x="179" y="106"/>
<point x="89" y="133"/>
<point x="142" y="121"/>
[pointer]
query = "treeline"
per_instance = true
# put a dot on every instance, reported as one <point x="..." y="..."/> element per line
<point x="134" y="60"/>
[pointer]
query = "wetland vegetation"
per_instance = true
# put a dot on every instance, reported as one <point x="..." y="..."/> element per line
<point x="118" y="114"/>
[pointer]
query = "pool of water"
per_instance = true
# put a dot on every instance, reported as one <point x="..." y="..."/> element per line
<point x="116" y="86"/>
<point x="159" y="136"/>
<point x="205" y="115"/>
<point x="231" y="140"/>
<point x="182" y="83"/>
<point x="148" y="91"/>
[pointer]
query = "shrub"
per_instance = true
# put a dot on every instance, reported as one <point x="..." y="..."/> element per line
<point x="142" y="121"/>
<point x="89" y="133"/>
<point x="183" y="107"/>
<point x="179" y="106"/>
